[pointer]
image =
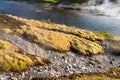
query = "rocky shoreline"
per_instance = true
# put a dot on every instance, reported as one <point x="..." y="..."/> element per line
<point x="60" y="7"/>
<point x="62" y="63"/>
<point x="76" y="9"/>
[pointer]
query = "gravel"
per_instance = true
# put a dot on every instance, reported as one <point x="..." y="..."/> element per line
<point x="62" y="64"/>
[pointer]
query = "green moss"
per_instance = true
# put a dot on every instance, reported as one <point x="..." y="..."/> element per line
<point x="50" y="1"/>
<point x="106" y="34"/>
<point x="46" y="21"/>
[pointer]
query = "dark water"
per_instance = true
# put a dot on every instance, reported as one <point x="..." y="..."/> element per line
<point x="86" y="22"/>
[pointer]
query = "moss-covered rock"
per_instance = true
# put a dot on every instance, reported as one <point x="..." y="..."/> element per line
<point x="54" y="36"/>
<point x="86" y="47"/>
<point x="107" y="35"/>
<point x="12" y="59"/>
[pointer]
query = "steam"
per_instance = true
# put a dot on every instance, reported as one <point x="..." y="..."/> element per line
<point x="106" y="7"/>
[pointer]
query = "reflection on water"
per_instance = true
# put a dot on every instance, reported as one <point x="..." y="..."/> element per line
<point x="85" y="22"/>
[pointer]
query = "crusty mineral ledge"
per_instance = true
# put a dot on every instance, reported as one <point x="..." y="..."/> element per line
<point x="54" y="36"/>
<point x="11" y="58"/>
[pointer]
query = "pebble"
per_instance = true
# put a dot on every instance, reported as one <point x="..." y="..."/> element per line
<point x="92" y="62"/>
<point x="4" y="77"/>
<point x="91" y="65"/>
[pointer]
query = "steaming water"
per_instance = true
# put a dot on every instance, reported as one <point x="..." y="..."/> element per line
<point x="106" y="7"/>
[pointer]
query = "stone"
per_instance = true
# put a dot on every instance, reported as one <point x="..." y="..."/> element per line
<point x="92" y="62"/>
<point x="115" y="47"/>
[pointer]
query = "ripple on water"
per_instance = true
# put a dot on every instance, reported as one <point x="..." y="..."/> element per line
<point x="99" y="23"/>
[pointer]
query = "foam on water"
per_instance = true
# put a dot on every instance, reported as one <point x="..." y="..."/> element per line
<point x="106" y="7"/>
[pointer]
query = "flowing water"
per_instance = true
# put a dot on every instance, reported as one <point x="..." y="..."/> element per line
<point x="99" y="23"/>
<point x="106" y="7"/>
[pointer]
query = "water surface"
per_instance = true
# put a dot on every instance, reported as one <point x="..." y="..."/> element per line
<point x="29" y="11"/>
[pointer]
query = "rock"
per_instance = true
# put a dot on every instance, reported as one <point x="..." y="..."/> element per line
<point x="65" y="8"/>
<point x="4" y="77"/>
<point x="115" y="47"/>
<point x="57" y="37"/>
<point x="111" y="62"/>
<point x="99" y="60"/>
<point x="92" y="62"/>
<point x="91" y="65"/>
